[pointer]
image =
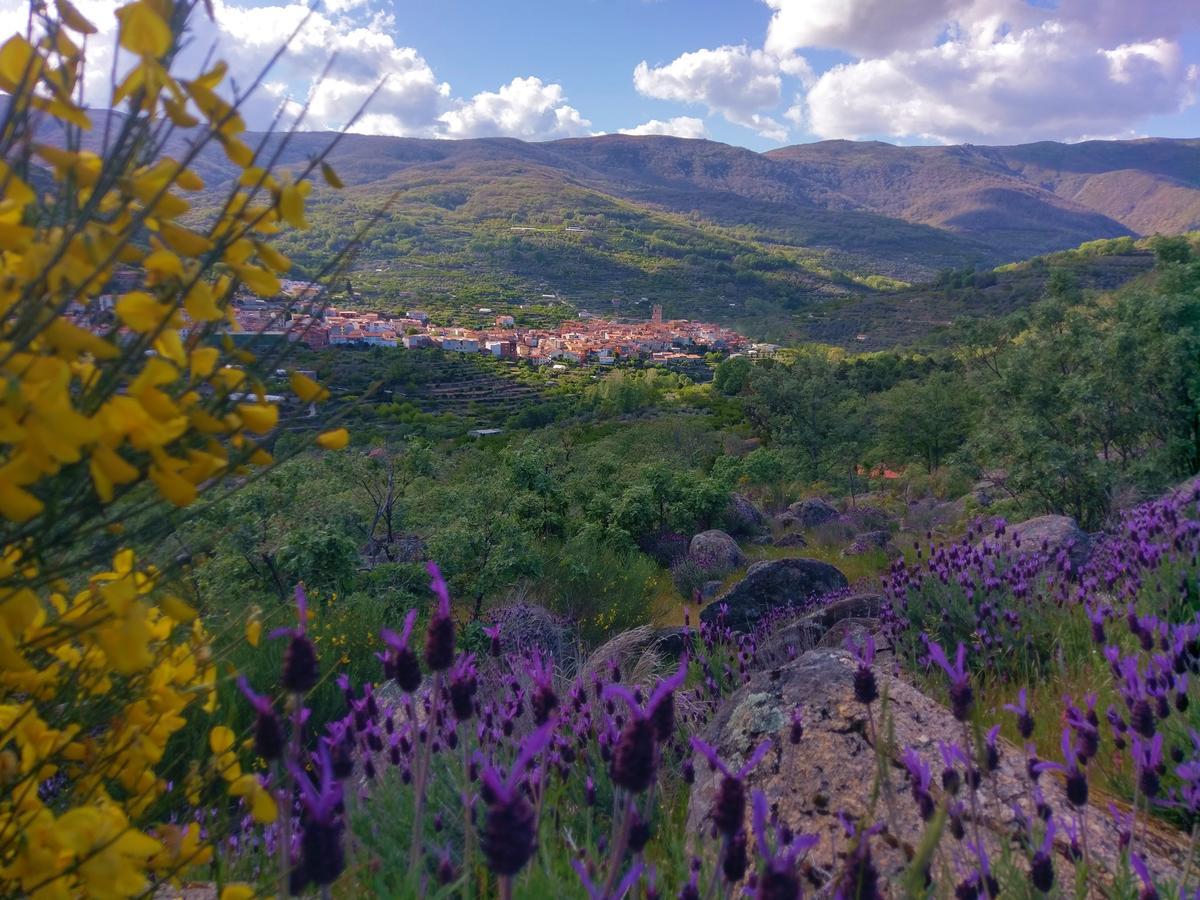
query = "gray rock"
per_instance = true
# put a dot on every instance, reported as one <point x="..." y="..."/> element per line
<point x="866" y="542"/>
<point x="741" y="516"/>
<point x="814" y="628"/>
<point x="772" y="583"/>
<point x="715" y="551"/>
<point x="671" y="642"/>
<point x="1048" y="534"/>
<point x="856" y="631"/>
<point x="710" y="589"/>
<point x="809" y="513"/>
<point x="834" y="766"/>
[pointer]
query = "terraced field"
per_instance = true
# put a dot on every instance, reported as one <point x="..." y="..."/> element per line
<point x="482" y="397"/>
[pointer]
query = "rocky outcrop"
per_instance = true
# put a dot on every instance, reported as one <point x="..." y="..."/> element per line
<point x="715" y="551"/>
<point x="772" y="583"/>
<point x="808" y="513"/>
<point x="1048" y="534"/>
<point x="815" y="628"/>
<point x="866" y="542"/>
<point x="741" y="516"/>
<point x="832" y="768"/>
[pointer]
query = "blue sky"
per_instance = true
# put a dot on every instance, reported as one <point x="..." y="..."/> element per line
<point x="591" y="47"/>
<point x="759" y="73"/>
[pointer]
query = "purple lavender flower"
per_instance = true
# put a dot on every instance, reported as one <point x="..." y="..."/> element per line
<point x="1077" y="784"/>
<point x="859" y="879"/>
<point x="268" y="731"/>
<point x="509" y="834"/>
<point x="991" y="750"/>
<point x="980" y="881"/>
<point x="1149" y="891"/>
<point x="1147" y="756"/>
<point x="635" y="757"/>
<point x="961" y="696"/>
<point x="439" y="638"/>
<point x="493" y="634"/>
<point x="1041" y="866"/>
<point x="866" y="691"/>
<point x="729" y="804"/>
<point x="463" y="684"/>
<point x="300" y="670"/>
<point x="322" y="857"/>
<point x="778" y="879"/>
<point x="544" y="700"/>
<point x="796" y="732"/>
<point x="920" y="779"/>
<point x="1024" y="719"/>
<point x="399" y="661"/>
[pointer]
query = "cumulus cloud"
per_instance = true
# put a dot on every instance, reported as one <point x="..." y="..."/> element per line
<point x="735" y="81"/>
<point x="523" y="108"/>
<point x="679" y="126"/>
<point x="1048" y="81"/>
<point x="411" y="100"/>
<point x="862" y="27"/>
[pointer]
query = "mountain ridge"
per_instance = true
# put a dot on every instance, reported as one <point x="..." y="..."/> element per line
<point x="1005" y="202"/>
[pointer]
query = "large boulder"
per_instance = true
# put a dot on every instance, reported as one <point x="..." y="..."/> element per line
<point x="741" y="516"/>
<point x="770" y="584"/>
<point x="716" y="551"/>
<point x="831" y="770"/>
<point x="866" y="542"/>
<point x="814" y="628"/>
<point x="1048" y="534"/>
<point x="809" y="513"/>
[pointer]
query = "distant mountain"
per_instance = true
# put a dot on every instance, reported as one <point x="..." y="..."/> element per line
<point x="990" y="204"/>
<point x="760" y="239"/>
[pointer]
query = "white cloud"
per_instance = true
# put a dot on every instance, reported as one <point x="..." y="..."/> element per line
<point x="735" y="81"/>
<point x="679" y="126"/>
<point x="857" y="26"/>
<point x="524" y="108"/>
<point x="1048" y="81"/>
<point x="411" y="100"/>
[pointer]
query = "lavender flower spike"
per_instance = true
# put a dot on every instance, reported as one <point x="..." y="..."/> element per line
<point x="779" y="878"/>
<point x="509" y="835"/>
<point x="300" y="659"/>
<point x="1021" y="710"/>
<point x="399" y="660"/>
<point x="961" y="696"/>
<point x="268" y="732"/>
<point x="439" y="639"/>
<point x="635" y="757"/>
<point x="729" y="804"/>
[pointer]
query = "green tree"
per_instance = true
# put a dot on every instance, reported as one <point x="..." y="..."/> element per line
<point x="925" y="419"/>
<point x="732" y="375"/>
<point x="806" y="407"/>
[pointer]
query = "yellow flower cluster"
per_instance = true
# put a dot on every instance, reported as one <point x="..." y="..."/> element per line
<point x="104" y="414"/>
<point x="103" y="683"/>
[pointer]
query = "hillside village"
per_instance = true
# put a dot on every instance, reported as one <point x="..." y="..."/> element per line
<point x="294" y="314"/>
